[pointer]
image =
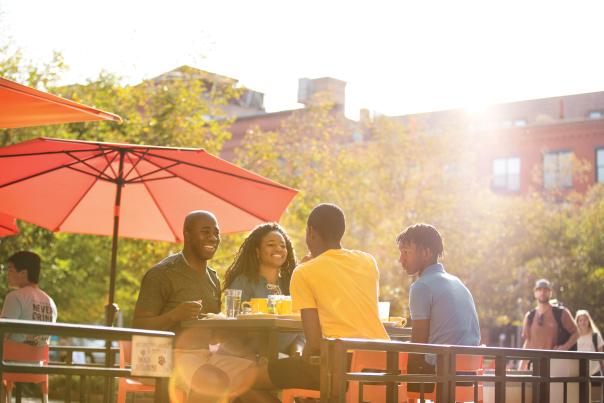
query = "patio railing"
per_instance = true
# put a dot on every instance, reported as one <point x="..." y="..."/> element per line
<point x="108" y="370"/>
<point x="335" y="374"/>
<point x="68" y="360"/>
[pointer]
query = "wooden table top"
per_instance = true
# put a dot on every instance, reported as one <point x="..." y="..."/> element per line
<point x="280" y="324"/>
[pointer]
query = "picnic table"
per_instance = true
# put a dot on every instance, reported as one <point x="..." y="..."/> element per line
<point x="269" y="330"/>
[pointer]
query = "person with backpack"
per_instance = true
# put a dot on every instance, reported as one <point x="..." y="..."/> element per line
<point x="590" y="339"/>
<point x="548" y="327"/>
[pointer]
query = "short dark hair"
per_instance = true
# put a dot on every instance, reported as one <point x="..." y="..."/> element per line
<point x="328" y="220"/>
<point x="29" y="261"/>
<point x="423" y="235"/>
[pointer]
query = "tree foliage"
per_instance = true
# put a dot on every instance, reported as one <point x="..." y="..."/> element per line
<point x="393" y="178"/>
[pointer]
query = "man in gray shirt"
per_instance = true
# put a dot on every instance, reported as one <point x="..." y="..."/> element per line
<point x="441" y="306"/>
<point x="27" y="301"/>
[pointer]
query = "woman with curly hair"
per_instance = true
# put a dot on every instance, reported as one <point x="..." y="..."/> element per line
<point x="263" y="266"/>
<point x="264" y="263"/>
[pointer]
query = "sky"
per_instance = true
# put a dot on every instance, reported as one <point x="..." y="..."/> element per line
<point x="397" y="57"/>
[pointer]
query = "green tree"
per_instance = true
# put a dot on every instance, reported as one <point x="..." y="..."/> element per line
<point x="310" y="143"/>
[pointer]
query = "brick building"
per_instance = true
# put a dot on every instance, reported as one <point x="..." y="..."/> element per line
<point x="308" y="89"/>
<point x="540" y="144"/>
<point x="533" y="144"/>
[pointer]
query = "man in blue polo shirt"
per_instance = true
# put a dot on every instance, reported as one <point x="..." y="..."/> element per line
<point x="441" y="306"/>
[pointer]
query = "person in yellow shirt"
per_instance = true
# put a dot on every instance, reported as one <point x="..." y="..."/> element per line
<point x="336" y="292"/>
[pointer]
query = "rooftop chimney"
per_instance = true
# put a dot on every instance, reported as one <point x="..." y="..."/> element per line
<point x="335" y="89"/>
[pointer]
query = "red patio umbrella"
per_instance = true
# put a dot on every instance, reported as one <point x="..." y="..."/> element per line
<point x="8" y="225"/>
<point x="23" y="106"/>
<point x="130" y="190"/>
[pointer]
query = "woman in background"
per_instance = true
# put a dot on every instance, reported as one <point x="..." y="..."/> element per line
<point x="590" y="338"/>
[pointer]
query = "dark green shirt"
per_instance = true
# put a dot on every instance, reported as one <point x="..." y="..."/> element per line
<point x="172" y="281"/>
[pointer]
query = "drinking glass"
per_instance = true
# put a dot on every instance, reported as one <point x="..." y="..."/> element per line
<point x="284" y="306"/>
<point x="232" y="300"/>
<point x="273" y="300"/>
<point x="384" y="310"/>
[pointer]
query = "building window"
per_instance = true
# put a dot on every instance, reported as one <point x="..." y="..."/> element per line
<point x="558" y="170"/>
<point x="506" y="174"/>
<point x="600" y="165"/>
<point x="595" y="115"/>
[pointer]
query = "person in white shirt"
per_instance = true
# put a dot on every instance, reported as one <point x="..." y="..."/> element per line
<point x="590" y="338"/>
<point x="27" y="301"/>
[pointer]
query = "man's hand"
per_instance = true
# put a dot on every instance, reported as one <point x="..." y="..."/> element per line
<point x="166" y="321"/>
<point x="186" y="310"/>
<point x="296" y="348"/>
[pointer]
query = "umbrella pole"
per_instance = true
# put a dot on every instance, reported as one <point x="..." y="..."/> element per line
<point x="111" y="308"/>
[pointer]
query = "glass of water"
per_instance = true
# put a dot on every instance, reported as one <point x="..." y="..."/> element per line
<point x="232" y="300"/>
<point x="384" y="310"/>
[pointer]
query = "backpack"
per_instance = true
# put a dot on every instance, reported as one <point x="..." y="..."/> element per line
<point x="563" y="334"/>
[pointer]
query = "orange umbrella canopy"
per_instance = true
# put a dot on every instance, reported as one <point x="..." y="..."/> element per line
<point x="71" y="186"/>
<point x="22" y="106"/>
<point x="8" y="225"/>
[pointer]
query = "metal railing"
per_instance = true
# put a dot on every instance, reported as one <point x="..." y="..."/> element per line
<point x="335" y="374"/>
<point x="69" y="361"/>
<point x="108" y="370"/>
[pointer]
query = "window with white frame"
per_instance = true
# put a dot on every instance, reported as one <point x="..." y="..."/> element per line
<point x="558" y="170"/>
<point x="600" y="165"/>
<point x="506" y="174"/>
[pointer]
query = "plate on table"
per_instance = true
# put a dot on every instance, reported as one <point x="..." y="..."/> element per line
<point x="256" y="316"/>
<point x="212" y="316"/>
